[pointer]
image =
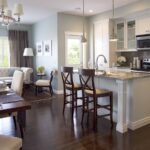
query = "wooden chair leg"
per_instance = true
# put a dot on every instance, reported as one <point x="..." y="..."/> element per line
<point x="111" y="110"/>
<point x="87" y="102"/>
<point x="50" y="90"/>
<point x="36" y="89"/>
<point x="15" y="122"/>
<point x="83" y="109"/>
<point x="95" y="114"/>
<point x="21" y="131"/>
<point x="73" y="100"/>
<point x="64" y="102"/>
<point x="76" y="100"/>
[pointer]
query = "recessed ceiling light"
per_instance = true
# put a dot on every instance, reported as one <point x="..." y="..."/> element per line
<point x="91" y="11"/>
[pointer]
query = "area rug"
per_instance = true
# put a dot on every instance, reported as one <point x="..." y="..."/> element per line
<point x="29" y="95"/>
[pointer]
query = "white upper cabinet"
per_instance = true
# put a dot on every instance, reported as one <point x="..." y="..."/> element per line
<point x="143" y="25"/>
<point x="125" y="30"/>
<point x="101" y="40"/>
<point x="102" y="44"/>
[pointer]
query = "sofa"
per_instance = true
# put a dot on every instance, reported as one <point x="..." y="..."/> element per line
<point x="6" y="73"/>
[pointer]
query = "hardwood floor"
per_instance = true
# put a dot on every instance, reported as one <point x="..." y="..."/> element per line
<point x="47" y="129"/>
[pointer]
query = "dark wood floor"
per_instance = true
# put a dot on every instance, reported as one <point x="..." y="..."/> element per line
<point x="47" y="129"/>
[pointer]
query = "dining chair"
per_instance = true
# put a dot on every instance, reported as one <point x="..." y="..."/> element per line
<point x="17" y="87"/>
<point x="10" y="143"/>
<point x="17" y="82"/>
<point x="45" y="83"/>
<point x="72" y="87"/>
<point x="91" y="95"/>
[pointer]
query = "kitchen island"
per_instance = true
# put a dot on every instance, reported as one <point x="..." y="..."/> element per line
<point x="131" y="97"/>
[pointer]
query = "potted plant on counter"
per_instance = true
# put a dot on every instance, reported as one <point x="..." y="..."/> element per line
<point x="121" y="61"/>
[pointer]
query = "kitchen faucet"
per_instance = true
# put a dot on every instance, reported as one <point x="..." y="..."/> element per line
<point x="96" y="64"/>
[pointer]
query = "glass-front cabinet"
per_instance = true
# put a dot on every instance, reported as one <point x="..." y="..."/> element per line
<point x="120" y="36"/>
<point x="131" y="39"/>
<point x="125" y="31"/>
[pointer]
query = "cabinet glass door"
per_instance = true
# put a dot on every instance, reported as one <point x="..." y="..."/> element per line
<point x="120" y="36"/>
<point x="131" y="40"/>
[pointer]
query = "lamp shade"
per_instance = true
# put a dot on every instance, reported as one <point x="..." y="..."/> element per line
<point x="8" y="13"/>
<point x="3" y="4"/>
<point x="18" y="9"/>
<point x="28" y="52"/>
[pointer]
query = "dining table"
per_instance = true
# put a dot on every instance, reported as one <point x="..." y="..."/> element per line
<point x="11" y="102"/>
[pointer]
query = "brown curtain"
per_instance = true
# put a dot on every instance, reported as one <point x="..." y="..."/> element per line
<point x="18" y="41"/>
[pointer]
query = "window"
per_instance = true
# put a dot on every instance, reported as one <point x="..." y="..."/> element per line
<point x="73" y="50"/>
<point x="4" y="52"/>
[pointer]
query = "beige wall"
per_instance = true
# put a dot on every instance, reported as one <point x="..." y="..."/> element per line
<point x="67" y="23"/>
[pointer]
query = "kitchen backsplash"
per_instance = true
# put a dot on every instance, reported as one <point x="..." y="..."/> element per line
<point x="141" y="54"/>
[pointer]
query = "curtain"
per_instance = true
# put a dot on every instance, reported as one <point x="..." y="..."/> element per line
<point x="18" y="41"/>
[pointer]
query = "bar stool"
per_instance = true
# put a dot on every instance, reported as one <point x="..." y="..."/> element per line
<point x="69" y="85"/>
<point x="91" y="94"/>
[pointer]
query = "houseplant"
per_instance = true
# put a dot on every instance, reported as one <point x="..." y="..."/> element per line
<point x="40" y="69"/>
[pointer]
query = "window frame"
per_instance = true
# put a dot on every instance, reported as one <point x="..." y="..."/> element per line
<point x="6" y="37"/>
<point x="75" y="34"/>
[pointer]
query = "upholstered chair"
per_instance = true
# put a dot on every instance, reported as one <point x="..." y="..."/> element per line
<point x="10" y="143"/>
<point x="45" y="83"/>
<point x="17" y="82"/>
<point x="17" y="87"/>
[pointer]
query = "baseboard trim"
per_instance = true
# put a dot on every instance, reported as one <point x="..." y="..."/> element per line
<point x="138" y="124"/>
<point x="58" y="91"/>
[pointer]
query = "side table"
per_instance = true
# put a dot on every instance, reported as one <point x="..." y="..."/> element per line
<point x="41" y="75"/>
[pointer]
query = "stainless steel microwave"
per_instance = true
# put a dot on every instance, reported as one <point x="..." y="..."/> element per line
<point x="143" y="42"/>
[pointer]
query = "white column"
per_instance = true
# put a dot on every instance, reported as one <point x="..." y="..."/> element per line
<point x="122" y="100"/>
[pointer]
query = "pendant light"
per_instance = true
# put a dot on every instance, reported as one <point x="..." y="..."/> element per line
<point x="113" y="37"/>
<point x="83" y="39"/>
<point x="6" y="17"/>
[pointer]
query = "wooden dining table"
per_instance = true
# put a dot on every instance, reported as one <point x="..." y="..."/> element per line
<point x="11" y="102"/>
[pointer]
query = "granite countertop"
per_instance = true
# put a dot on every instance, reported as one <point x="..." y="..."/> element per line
<point x="121" y="75"/>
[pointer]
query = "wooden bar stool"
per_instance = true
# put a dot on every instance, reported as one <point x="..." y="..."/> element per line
<point x="91" y="94"/>
<point x="69" y="85"/>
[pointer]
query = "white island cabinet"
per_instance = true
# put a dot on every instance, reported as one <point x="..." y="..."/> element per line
<point x="131" y="97"/>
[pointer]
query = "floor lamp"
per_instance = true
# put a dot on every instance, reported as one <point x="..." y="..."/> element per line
<point x="27" y="53"/>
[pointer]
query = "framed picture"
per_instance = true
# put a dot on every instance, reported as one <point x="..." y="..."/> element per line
<point x="47" y="48"/>
<point x="39" y="48"/>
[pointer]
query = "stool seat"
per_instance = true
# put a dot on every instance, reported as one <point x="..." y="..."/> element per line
<point x="10" y="143"/>
<point x="97" y="92"/>
<point x="42" y="82"/>
<point x="76" y="86"/>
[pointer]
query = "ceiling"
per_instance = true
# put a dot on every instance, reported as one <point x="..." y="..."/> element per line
<point x="35" y="10"/>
